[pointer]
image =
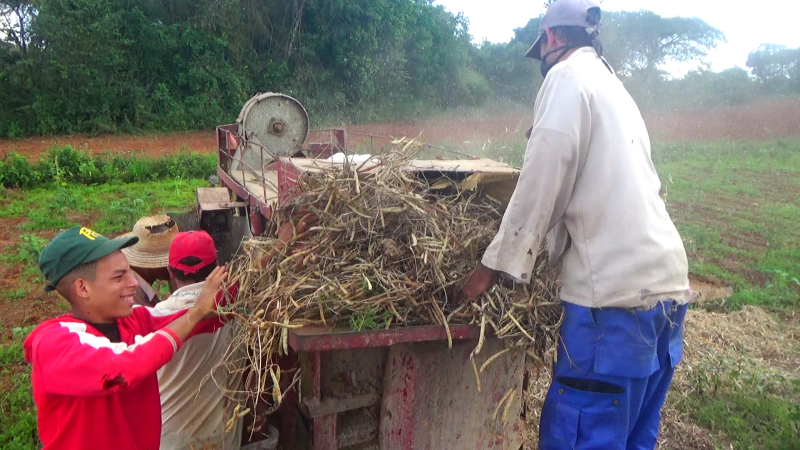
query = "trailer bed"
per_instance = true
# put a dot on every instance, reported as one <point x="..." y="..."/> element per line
<point x="263" y="188"/>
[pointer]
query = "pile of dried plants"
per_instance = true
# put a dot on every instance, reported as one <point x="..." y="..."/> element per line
<point x="384" y="251"/>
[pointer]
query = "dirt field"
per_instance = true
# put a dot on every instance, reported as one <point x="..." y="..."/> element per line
<point x="753" y="122"/>
<point x="202" y="141"/>
<point x="721" y="219"/>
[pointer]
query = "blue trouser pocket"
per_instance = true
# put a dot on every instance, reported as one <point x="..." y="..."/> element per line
<point x="628" y="342"/>
<point x="613" y="371"/>
<point x="576" y="418"/>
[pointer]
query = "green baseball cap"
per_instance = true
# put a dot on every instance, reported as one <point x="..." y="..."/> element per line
<point x="73" y="247"/>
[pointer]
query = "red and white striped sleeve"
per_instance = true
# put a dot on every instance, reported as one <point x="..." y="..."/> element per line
<point x="75" y="362"/>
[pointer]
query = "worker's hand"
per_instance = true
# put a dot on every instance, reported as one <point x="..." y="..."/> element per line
<point x="206" y="302"/>
<point x="478" y="282"/>
<point x="286" y="233"/>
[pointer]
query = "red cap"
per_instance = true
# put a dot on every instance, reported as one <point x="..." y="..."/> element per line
<point x="192" y="243"/>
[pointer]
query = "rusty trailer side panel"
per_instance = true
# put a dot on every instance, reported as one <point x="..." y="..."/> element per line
<point x="431" y="399"/>
<point x="388" y="391"/>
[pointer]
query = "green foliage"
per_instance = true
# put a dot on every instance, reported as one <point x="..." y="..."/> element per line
<point x="17" y="410"/>
<point x="737" y="225"/>
<point x="371" y="318"/>
<point x="16" y="294"/>
<point x="752" y="405"/>
<point x="27" y="250"/>
<point x="17" y="172"/>
<point x="100" y="66"/>
<point x="640" y="46"/>
<point x="106" y="66"/>
<point x="509" y="74"/>
<point x="642" y="42"/>
<point x="63" y="165"/>
<point x="771" y="62"/>
<point x="472" y="87"/>
<point x="122" y="214"/>
<point x="70" y="165"/>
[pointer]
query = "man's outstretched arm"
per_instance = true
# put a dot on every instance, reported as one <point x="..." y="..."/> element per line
<point x="75" y="362"/>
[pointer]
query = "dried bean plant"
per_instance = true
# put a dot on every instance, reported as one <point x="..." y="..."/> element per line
<point x="385" y="251"/>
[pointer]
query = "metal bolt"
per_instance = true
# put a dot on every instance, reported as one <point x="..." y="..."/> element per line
<point x="560" y="391"/>
<point x="616" y="402"/>
<point x="277" y="127"/>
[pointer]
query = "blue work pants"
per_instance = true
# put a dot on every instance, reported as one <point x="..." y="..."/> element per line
<point x="612" y="375"/>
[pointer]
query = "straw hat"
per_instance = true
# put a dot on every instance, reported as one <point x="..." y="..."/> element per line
<point x="155" y="234"/>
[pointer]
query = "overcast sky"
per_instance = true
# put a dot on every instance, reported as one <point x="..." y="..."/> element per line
<point x="746" y="25"/>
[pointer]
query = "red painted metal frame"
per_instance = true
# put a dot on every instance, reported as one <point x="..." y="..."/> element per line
<point x="315" y="340"/>
<point x="287" y="174"/>
<point x="287" y="178"/>
<point x="320" y="339"/>
<point x="224" y="157"/>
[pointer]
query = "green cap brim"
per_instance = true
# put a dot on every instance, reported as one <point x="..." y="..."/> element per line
<point x="102" y="251"/>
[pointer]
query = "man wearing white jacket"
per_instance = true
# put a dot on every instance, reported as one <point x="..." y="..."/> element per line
<point x="588" y="183"/>
<point x="194" y="409"/>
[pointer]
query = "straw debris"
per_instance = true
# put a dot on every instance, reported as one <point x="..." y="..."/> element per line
<point x="385" y="250"/>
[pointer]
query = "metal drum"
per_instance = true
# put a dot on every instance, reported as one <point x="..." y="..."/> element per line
<point x="271" y="125"/>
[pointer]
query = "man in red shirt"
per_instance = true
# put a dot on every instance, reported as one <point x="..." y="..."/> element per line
<point x="94" y="371"/>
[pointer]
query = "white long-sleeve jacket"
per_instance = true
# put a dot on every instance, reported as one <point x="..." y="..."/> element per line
<point x="588" y="179"/>
<point x="194" y="410"/>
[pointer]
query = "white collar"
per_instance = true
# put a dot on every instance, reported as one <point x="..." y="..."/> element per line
<point x="182" y="298"/>
<point x="194" y="288"/>
<point x="580" y="51"/>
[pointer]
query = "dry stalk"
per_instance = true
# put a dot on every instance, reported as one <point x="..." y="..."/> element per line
<point x="385" y="251"/>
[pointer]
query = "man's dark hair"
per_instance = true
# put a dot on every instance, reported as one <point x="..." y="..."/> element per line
<point x="87" y="271"/>
<point x="573" y="35"/>
<point x="578" y="37"/>
<point x="196" y="277"/>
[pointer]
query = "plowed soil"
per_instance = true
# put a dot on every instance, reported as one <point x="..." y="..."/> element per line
<point x="752" y="122"/>
<point x="761" y="121"/>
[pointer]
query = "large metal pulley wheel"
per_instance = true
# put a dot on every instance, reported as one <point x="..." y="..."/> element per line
<point x="273" y="125"/>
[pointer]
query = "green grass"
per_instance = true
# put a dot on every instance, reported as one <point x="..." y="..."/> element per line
<point x="16" y="294"/>
<point x="107" y="208"/>
<point x="756" y="408"/>
<point x="26" y="252"/>
<point x="737" y="206"/>
<point x="17" y="411"/>
<point x="118" y="205"/>
<point x="752" y="420"/>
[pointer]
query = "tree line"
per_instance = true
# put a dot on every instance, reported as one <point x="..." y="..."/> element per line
<point x="644" y="49"/>
<point x="98" y="66"/>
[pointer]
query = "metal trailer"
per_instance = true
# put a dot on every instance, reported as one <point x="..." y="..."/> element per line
<point x="391" y="389"/>
<point x="400" y="388"/>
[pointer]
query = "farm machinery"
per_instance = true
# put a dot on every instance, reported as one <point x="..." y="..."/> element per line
<point x="396" y="388"/>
